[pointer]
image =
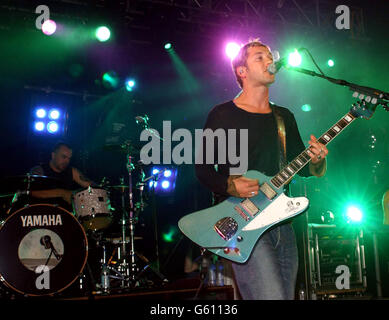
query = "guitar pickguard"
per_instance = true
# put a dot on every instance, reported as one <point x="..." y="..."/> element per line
<point x="280" y="209"/>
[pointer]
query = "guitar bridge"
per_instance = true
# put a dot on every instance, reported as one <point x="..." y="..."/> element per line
<point x="226" y="228"/>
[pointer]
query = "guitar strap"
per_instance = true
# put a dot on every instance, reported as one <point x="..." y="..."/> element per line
<point x="281" y="136"/>
<point x="282" y="159"/>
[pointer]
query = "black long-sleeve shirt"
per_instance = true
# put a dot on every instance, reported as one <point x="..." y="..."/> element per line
<point x="263" y="150"/>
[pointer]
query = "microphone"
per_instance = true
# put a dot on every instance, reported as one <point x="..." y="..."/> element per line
<point x="274" y="67"/>
<point x="46" y="242"/>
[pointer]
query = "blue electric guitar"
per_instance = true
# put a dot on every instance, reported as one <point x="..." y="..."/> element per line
<point x="232" y="228"/>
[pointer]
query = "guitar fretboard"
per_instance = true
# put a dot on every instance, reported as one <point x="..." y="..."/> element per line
<point x="287" y="173"/>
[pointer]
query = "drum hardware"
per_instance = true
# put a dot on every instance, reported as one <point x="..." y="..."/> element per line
<point x="127" y="269"/>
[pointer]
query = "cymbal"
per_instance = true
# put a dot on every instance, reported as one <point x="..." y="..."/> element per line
<point x="20" y="183"/>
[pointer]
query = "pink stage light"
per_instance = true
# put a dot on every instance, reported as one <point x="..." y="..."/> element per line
<point x="49" y="27"/>
<point x="232" y="49"/>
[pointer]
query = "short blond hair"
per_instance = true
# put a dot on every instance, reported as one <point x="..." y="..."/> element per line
<point x="241" y="58"/>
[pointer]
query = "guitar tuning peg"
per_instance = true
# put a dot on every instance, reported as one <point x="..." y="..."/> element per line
<point x="368" y="98"/>
<point x="361" y="96"/>
<point x="355" y="94"/>
<point x="374" y="100"/>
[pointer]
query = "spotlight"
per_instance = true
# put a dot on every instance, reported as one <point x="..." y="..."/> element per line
<point x="103" y="33"/>
<point x="54" y="114"/>
<point x="354" y="214"/>
<point x="232" y="50"/>
<point x="165" y="184"/>
<point x="40" y="113"/>
<point x="130" y="84"/>
<point x="49" y="27"/>
<point x="39" y="126"/>
<point x="306" y="108"/>
<point x="168" y="46"/>
<point x="167" y="173"/>
<point x="330" y="63"/>
<point x="294" y="58"/>
<point x="166" y="180"/>
<point x="110" y="79"/>
<point x="52" y="127"/>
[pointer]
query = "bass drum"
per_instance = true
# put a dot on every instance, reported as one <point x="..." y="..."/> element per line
<point x="43" y="250"/>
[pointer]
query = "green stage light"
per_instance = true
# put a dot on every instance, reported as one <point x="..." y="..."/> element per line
<point x="294" y="58"/>
<point x="110" y="80"/>
<point x="130" y="84"/>
<point x="354" y="214"/>
<point x="306" y="107"/>
<point x="168" y="46"/>
<point x="330" y="63"/>
<point x="103" y="33"/>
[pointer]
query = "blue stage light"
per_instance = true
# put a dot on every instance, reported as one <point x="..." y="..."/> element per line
<point x="39" y="126"/>
<point x="52" y="127"/>
<point x="165" y="184"/>
<point x="167" y="173"/>
<point x="54" y="114"/>
<point x="40" y="113"/>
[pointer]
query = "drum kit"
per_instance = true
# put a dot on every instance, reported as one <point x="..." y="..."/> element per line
<point x="44" y="248"/>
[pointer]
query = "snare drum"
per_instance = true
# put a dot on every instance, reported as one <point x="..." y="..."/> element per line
<point x="92" y="207"/>
<point x="43" y="250"/>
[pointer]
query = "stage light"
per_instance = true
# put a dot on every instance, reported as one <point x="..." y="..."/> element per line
<point x="167" y="173"/>
<point x="330" y="63"/>
<point x="232" y="50"/>
<point x="39" y="126"/>
<point x="110" y="80"/>
<point x="103" y="33"/>
<point x="169" y="236"/>
<point x="165" y="184"/>
<point x="354" y="214"/>
<point x="40" y="113"/>
<point x="294" y="58"/>
<point x="166" y="180"/>
<point x="306" y="108"/>
<point x="52" y="127"/>
<point x="49" y="27"/>
<point x="130" y="84"/>
<point x="48" y="119"/>
<point x="168" y="46"/>
<point x="54" y="114"/>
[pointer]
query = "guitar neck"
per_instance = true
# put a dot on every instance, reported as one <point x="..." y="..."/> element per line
<point x="288" y="172"/>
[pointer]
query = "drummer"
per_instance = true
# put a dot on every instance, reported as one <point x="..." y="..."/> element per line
<point x="58" y="167"/>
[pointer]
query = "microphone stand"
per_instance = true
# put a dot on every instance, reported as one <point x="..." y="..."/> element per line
<point x="373" y="92"/>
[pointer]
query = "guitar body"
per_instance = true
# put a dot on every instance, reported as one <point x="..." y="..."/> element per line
<point x="231" y="228"/>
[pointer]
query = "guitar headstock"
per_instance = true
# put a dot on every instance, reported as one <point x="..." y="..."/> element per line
<point x="366" y="105"/>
